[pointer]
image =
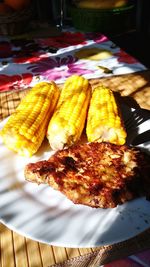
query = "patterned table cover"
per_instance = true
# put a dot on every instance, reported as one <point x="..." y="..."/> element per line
<point x="24" y="62"/>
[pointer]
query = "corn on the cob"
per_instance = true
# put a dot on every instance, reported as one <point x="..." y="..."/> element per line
<point x="26" y="128"/>
<point x="104" y="122"/>
<point x="68" y="120"/>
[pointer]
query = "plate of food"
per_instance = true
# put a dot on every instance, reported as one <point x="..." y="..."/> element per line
<point x="75" y="183"/>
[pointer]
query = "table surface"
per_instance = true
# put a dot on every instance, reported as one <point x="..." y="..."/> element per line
<point x="17" y="250"/>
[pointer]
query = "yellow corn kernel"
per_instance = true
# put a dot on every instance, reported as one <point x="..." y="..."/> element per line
<point x="26" y="128"/>
<point x="68" y="120"/>
<point x="104" y="122"/>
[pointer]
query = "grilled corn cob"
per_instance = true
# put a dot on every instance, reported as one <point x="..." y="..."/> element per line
<point x="104" y="122"/>
<point x="26" y="128"/>
<point x="68" y="120"/>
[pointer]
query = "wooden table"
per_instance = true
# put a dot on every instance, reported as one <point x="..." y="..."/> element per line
<point x="19" y="251"/>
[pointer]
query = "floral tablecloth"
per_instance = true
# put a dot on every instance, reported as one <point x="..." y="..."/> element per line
<point x="24" y="62"/>
<point x="139" y="260"/>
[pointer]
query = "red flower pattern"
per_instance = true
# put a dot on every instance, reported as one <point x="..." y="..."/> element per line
<point x="15" y="82"/>
<point x="35" y="57"/>
<point x="124" y="57"/>
<point x="40" y="57"/>
<point x="64" y="40"/>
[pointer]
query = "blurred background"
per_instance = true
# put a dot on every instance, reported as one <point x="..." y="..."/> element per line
<point x="126" y="22"/>
<point x="132" y="31"/>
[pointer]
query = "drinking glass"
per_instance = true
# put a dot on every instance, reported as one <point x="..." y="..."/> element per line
<point x="58" y="10"/>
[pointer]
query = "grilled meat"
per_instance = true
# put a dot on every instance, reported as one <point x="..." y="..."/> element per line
<point x="100" y="175"/>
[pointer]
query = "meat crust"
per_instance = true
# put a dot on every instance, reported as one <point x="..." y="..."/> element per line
<point x="100" y="175"/>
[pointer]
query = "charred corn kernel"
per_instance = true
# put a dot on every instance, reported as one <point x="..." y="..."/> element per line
<point x="104" y="122"/>
<point x="26" y="128"/>
<point x="68" y="120"/>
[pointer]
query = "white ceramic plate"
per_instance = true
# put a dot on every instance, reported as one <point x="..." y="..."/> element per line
<point x="45" y="215"/>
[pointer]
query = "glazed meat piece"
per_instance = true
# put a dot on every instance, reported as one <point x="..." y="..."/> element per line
<point x="100" y="175"/>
